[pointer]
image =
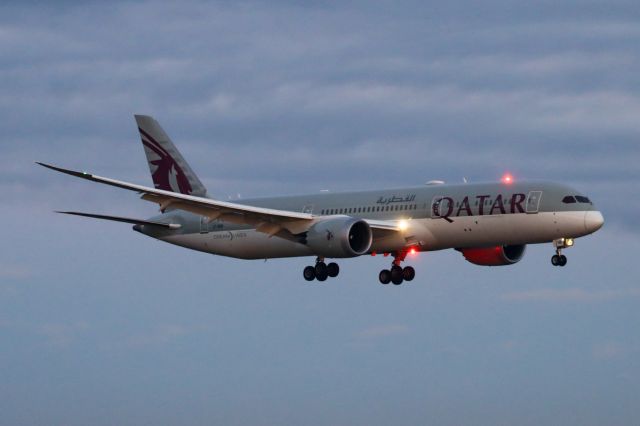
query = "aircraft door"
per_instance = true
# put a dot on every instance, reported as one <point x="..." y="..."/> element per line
<point x="533" y="201"/>
<point x="204" y="225"/>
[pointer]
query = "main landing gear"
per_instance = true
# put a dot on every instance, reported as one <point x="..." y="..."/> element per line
<point x="397" y="274"/>
<point x="321" y="271"/>
<point x="560" y="259"/>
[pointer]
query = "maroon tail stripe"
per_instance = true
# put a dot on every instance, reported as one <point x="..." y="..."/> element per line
<point x="152" y="140"/>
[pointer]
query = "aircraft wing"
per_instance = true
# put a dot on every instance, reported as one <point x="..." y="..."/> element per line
<point x="283" y="223"/>
<point x="269" y="221"/>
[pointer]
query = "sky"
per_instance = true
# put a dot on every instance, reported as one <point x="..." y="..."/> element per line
<point x="101" y="325"/>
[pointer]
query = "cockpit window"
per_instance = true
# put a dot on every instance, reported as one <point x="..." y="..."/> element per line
<point x="569" y="199"/>
<point x="582" y="199"/>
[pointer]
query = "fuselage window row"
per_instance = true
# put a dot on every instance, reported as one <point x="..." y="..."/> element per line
<point x="369" y="209"/>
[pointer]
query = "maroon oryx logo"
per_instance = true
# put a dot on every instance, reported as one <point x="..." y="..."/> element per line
<point x="168" y="175"/>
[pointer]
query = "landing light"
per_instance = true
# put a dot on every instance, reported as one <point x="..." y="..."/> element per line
<point x="403" y="225"/>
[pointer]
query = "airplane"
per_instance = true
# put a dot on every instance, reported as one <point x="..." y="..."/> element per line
<point x="489" y="223"/>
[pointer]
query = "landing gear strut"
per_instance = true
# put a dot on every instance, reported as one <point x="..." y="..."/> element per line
<point x="560" y="259"/>
<point x="321" y="271"/>
<point x="397" y="274"/>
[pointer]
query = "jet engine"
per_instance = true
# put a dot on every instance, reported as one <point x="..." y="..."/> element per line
<point x="340" y="237"/>
<point x="494" y="256"/>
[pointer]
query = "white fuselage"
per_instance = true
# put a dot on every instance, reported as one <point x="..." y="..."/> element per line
<point x="512" y="224"/>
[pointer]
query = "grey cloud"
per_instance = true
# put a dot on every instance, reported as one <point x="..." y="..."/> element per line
<point x="63" y="335"/>
<point x="291" y="99"/>
<point x="570" y="295"/>
<point x="609" y="351"/>
<point x="160" y="335"/>
<point x="383" y="331"/>
<point x="14" y="272"/>
<point x="280" y="97"/>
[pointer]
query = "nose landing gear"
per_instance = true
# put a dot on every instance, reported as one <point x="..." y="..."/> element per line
<point x="397" y="274"/>
<point x="560" y="259"/>
<point x="321" y="271"/>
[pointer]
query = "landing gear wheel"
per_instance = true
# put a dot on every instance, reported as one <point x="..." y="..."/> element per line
<point x="396" y="275"/>
<point x="321" y="271"/>
<point x="562" y="260"/>
<point x="333" y="269"/>
<point x="309" y="273"/>
<point x="385" y="276"/>
<point x="408" y="273"/>
<point x="555" y="260"/>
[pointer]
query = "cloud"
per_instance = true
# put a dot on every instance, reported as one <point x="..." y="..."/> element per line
<point x="62" y="335"/>
<point x="15" y="272"/>
<point x="160" y="335"/>
<point x="383" y="331"/>
<point x="261" y="104"/>
<point x="608" y="351"/>
<point x="570" y="295"/>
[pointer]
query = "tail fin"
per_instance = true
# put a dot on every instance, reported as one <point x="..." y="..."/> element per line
<point x="169" y="170"/>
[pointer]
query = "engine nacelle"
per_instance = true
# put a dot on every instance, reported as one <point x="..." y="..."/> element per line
<point x="494" y="256"/>
<point x="340" y="237"/>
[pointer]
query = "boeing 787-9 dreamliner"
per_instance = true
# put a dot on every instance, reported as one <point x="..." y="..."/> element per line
<point x="489" y="223"/>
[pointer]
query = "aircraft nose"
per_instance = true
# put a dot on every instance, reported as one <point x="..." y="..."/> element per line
<point x="593" y="221"/>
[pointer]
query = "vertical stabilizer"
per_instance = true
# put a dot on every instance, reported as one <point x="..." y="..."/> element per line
<point x="168" y="168"/>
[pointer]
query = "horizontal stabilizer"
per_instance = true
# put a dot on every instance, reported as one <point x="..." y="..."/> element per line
<point x="125" y="220"/>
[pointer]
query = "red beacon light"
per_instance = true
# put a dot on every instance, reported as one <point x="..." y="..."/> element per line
<point x="507" y="178"/>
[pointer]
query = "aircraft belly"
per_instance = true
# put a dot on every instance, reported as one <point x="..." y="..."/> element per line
<point x="245" y="244"/>
<point x="508" y="229"/>
<point x="430" y="234"/>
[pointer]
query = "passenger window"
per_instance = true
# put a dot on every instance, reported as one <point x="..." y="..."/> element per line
<point x="569" y="199"/>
